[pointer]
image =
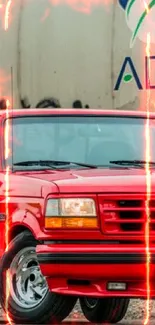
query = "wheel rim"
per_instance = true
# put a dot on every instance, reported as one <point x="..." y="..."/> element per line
<point x="28" y="287"/>
<point x="91" y="302"/>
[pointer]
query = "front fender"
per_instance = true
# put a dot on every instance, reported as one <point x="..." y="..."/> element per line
<point x="32" y="223"/>
<point x="26" y="219"/>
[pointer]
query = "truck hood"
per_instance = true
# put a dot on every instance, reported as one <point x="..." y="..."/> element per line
<point x="96" y="180"/>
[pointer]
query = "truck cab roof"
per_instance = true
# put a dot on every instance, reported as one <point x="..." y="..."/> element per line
<point x="72" y="111"/>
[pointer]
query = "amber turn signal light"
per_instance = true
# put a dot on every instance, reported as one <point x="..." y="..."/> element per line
<point x="74" y="222"/>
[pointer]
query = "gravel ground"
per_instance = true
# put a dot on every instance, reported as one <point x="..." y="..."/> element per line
<point x="136" y="310"/>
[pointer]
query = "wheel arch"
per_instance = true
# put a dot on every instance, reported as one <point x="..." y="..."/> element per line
<point x="24" y="221"/>
<point x="16" y="230"/>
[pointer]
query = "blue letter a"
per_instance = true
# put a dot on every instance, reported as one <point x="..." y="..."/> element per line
<point x="134" y="73"/>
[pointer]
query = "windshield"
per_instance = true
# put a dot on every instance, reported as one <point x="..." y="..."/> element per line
<point x="84" y="139"/>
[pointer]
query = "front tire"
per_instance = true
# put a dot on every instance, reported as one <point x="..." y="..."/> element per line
<point x="106" y="310"/>
<point x="26" y="297"/>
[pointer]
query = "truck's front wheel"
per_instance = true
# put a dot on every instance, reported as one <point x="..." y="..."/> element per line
<point x="24" y="293"/>
<point x="106" y="310"/>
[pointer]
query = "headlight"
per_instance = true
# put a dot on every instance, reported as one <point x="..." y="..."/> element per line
<point x="71" y="213"/>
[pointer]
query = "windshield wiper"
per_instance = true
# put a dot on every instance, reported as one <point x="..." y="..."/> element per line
<point x="135" y="162"/>
<point x="52" y="163"/>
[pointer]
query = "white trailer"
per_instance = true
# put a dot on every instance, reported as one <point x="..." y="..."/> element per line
<point x="93" y="51"/>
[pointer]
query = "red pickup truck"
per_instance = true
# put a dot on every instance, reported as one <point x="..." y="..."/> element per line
<point x="72" y="218"/>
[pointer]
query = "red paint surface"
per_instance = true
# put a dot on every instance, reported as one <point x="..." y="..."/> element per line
<point x="28" y="192"/>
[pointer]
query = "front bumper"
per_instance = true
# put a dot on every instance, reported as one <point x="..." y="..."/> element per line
<point x="86" y="270"/>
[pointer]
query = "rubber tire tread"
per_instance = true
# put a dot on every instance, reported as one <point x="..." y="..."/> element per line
<point x="107" y="310"/>
<point x="53" y="309"/>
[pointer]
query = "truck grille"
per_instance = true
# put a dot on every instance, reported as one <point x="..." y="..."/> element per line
<point x="126" y="215"/>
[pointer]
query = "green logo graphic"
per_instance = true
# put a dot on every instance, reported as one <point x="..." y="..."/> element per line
<point x="140" y="18"/>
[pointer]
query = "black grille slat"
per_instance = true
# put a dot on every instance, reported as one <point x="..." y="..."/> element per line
<point x="130" y="203"/>
<point x="131" y="215"/>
